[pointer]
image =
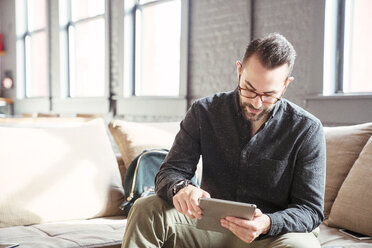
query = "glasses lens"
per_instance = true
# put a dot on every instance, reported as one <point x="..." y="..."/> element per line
<point x="248" y="93"/>
<point x="269" y="99"/>
<point x="251" y="94"/>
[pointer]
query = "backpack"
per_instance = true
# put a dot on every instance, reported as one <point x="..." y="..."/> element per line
<point x="139" y="179"/>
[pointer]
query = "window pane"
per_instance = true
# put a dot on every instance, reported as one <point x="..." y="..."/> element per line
<point x="21" y="17"/>
<point x="87" y="65"/>
<point x="64" y="12"/>
<point x="146" y="1"/>
<point x="36" y="14"/>
<point x="158" y="56"/>
<point x="86" y="8"/>
<point x="359" y="50"/>
<point x="36" y="65"/>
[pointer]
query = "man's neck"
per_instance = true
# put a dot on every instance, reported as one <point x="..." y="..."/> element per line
<point x="255" y="125"/>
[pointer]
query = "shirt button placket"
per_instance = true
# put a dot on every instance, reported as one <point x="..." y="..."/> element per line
<point x="244" y="156"/>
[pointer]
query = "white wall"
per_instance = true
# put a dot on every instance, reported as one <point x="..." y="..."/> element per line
<point x="7" y="28"/>
<point x="220" y="32"/>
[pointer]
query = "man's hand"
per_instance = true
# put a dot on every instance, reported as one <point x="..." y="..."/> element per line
<point x="248" y="230"/>
<point x="186" y="201"/>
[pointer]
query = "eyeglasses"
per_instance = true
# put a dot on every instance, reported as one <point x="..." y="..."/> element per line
<point x="252" y="94"/>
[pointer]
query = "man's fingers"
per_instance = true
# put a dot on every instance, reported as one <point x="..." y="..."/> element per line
<point x="238" y="221"/>
<point x="186" y="201"/>
<point x="238" y="231"/>
<point x="191" y="215"/>
<point x="194" y="200"/>
<point x="176" y="205"/>
<point x="194" y="204"/>
<point x="183" y="206"/>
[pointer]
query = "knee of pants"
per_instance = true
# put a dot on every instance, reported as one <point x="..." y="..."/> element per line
<point x="296" y="240"/>
<point x="149" y="205"/>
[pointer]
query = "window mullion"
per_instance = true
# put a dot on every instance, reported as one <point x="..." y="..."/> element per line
<point x="340" y="46"/>
<point x="48" y="29"/>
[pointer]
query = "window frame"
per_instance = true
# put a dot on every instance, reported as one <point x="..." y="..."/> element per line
<point x="62" y="101"/>
<point x="58" y="101"/>
<point x="38" y="102"/>
<point x="332" y="105"/>
<point x="170" y="106"/>
<point x="66" y="29"/>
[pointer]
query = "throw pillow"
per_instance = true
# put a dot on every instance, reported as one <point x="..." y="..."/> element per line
<point x="352" y="207"/>
<point x="344" y="144"/>
<point x="43" y="121"/>
<point x="57" y="173"/>
<point x="134" y="137"/>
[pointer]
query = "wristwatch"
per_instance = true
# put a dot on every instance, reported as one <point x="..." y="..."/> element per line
<point x="180" y="185"/>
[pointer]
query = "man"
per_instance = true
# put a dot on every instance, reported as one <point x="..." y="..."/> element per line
<point x="256" y="148"/>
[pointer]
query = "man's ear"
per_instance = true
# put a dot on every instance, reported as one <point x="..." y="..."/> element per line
<point x="288" y="81"/>
<point x="239" y="67"/>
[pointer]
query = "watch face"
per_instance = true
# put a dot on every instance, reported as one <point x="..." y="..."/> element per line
<point x="179" y="186"/>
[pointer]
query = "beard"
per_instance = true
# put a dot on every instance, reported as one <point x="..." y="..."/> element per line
<point x="249" y="116"/>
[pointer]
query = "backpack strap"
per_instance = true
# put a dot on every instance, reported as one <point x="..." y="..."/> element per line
<point x="131" y="194"/>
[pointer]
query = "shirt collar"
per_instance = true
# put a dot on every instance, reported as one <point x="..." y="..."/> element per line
<point x="237" y="109"/>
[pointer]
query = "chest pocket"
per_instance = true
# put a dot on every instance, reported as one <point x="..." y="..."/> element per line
<point x="269" y="174"/>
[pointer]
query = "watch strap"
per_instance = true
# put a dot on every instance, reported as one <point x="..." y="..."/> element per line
<point x="180" y="185"/>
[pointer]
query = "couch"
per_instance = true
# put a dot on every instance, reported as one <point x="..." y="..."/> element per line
<point x="61" y="181"/>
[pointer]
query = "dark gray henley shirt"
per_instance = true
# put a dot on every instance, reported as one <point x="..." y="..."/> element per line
<point x="281" y="168"/>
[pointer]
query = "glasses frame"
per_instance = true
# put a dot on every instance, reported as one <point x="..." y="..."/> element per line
<point x="261" y="95"/>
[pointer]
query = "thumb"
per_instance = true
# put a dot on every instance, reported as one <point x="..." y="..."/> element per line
<point x="205" y="194"/>
<point x="257" y="212"/>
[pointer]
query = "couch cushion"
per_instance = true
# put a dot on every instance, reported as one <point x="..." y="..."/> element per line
<point x="43" y="121"/>
<point x="331" y="237"/>
<point x="343" y="147"/>
<point x="134" y="137"/>
<point x="57" y="173"/>
<point x="352" y="208"/>
<point x="100" y="232"/>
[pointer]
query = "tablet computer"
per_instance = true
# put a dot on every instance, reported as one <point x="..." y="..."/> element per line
<point x="8" y="245"/>
<point x="355" y="234"/>
<point x="213" y="210"/>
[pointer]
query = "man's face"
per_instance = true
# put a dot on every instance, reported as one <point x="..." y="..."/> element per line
<point x="255" y="77"/>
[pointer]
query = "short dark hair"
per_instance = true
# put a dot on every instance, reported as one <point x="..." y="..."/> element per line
<point x="273" y="50"/>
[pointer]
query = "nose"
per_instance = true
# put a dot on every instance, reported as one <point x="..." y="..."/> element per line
<point x="257" y="102"/>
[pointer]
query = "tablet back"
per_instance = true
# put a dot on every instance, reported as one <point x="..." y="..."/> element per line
<point x="215" y="209"/>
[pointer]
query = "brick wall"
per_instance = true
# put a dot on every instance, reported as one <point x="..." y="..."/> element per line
<point x="220" y="31"/>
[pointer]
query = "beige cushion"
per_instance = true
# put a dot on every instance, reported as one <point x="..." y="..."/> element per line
<point x="43" y="121"/>
<point x="343" y="147"/>
<point x="93" y="233"/>
<point x="352" y="208"/>
<point x="57" y="173"/>
<point x="134" y="137"/>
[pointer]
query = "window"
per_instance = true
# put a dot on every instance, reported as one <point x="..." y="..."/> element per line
<point x="358" y="50"/>
<point x="82" y="44"/>
<point x="347" y="46"/>
<point x="153" y="56"/>
<point x="32" y="47"/>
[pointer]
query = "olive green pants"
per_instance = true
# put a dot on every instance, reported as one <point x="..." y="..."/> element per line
<point x="152" y="222"/>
